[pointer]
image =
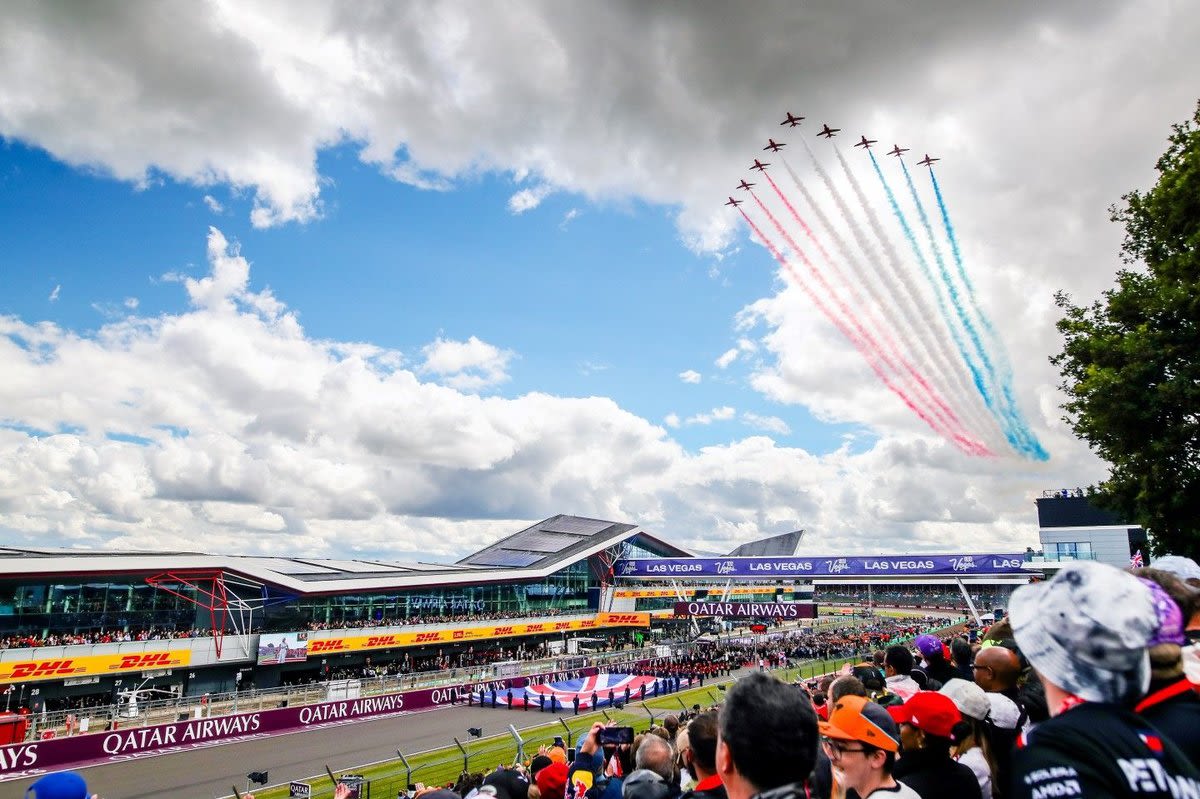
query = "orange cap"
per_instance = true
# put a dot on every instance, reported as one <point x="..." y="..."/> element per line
<point x="856" y="718"/>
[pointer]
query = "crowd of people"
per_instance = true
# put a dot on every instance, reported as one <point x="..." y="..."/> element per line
<point x="22" y="641"/>
<point x="441" y="618"/>
<point x="935" y="597"/>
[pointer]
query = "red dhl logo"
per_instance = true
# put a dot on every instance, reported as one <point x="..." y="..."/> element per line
<point x="44" y="668"/>
<point x="460" y="634"/>
<point x="587" y="623"/>
<point x="330" y="645"/>
<point x="535" y="628"/>
<point x="383" y="640"/>
<point x="562" y="625"/>
<point x="504" y="631"/>
<point x="425" y="638"/>
<point x="144" y="661"/>
<point x="623" y="618"/>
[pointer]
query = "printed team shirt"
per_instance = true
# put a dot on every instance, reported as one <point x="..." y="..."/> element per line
<point x="1099" y="751"/>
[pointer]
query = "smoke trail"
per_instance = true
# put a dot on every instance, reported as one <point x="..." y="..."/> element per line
<point x="890" y="345"/>
<point x="965" y="445"/>
<point x="912" y="305"/>
<point x="999" y="382"/>
<point x="1005" y="377"/>
<point x="980" y="382"/>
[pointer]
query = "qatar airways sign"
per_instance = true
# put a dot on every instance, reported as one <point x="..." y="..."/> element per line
<point x="804" y="568"/>
<point x="748" y="610"/>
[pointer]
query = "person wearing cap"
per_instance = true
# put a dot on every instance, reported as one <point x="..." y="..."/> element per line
<point x="551" y="781"/>
<point x="766" y="739"/>
<point x="927" y="723"/>
<point x="936" y="664"/>
<point x="897" y="668"/>
<point x="861" y="740"/>
<point x="1086" y="634"/>
<point x="875" y="684"/>
<point x="972" y="746"/>
<point x="585" y="778"/>
<point x="1171" y="704"/>
<point x="645" y="784"/>
<point x="60" y="785"/>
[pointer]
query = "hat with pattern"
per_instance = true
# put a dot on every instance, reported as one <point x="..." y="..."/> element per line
<point x="1087" y="631"/>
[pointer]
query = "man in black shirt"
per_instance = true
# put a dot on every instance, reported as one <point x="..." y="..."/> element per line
<point x="1085" y="632"/>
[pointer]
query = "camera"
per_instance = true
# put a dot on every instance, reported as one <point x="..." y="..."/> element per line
<point x="616" y="735"/>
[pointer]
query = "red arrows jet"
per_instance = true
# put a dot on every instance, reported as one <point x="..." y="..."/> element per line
<point x="760" y="166"/>
<point x="866" y="143"/>
<point x="773" y="145"/>
<point x="827" y="131"/>
<point x="897" y="150"/>
<point x="927" y="161"/>
<point x="791" y="120"/>
<point x="734" y="203"/>
<point x="745" y="186"/>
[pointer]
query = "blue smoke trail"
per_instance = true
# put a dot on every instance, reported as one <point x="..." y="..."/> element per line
<point x="1035" y="447"/>
<point x="980" y="384"/>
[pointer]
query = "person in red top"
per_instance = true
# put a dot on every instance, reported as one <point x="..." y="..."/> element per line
<point x="701" y="758"/>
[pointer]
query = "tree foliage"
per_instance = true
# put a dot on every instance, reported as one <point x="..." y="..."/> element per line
<point x="1130" y="363"/>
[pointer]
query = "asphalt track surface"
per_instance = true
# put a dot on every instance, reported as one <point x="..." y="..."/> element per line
<point x="210" y="772"/>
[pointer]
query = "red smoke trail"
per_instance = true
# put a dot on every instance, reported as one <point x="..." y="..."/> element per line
<point x="942" y="410"/>
<point x="971" y="447"/>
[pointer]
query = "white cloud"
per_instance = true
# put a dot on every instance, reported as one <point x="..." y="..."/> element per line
<point x="528" y="199"/>
<point x="470" y="365"/>
<point x="671" y="420"/>
<point x="727" y="357"/>
<point x="722" y="414"/>
<point x="131" y="303"/>
<point x="569" y="217"/>
<point x="690" y="376"/>
<point x="54" y="294"/>
<point x="769" y="424"/>
<point x="213" y="204"/>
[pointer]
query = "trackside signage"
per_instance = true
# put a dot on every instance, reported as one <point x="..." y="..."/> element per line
<point x="36" y="757"/>
<point x="748" y="610"/>
<point x="35" y="669"/>
<point x="896" y="566"/>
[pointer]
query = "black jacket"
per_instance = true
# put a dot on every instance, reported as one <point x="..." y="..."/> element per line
<point x="1174" y="710"/>
<point x="934" y="774"/>
<point x="1100" y="751"/>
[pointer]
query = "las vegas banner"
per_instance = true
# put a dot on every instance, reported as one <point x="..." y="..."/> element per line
<point x="871" y="566"/>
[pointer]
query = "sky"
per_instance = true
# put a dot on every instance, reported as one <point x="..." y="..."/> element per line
<point x="391" y="281"/>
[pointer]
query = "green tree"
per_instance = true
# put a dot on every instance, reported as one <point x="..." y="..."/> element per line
<point x="1130" y="363"/>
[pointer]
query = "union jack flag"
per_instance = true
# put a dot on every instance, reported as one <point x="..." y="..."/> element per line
<point x="1136" y="561"/>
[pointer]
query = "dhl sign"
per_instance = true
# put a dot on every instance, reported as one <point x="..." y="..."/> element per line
<point x="359" y="643"/>
<point x="87" y="665"/>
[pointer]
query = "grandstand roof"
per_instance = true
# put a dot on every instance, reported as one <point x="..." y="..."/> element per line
<point x="549" y="546"/>
<point x="784" y="545"/>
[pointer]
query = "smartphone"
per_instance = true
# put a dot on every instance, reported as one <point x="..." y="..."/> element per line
<point x="616" y="735"/>
<point x="571" y="755"/>
<point x="558" y="741"/>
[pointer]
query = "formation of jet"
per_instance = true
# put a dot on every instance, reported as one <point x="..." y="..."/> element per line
<point x="735" y="203"/>
<point x="897" y="150"/>
<point x="744" y="186"/>
<point x="827" y="131"/>
<point x="866" y="143"/>
<point x="927" y="161"/>
<point x="791" y="120"/>
<point x="760" y="166"/>
<point x="773" y="145"/>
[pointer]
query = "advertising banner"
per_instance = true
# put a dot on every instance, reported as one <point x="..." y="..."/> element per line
<point x="872" y="566"/>
<point x="282" y="648"/>
<point x="36" y="669"/>
<point x="717" y="590"/>
<point x="359" y="643"/>
<point x="37" y="757"/>
<point x="748" y="610"/>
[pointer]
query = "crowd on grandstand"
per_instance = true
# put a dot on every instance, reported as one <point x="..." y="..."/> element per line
<point x="99" y="637"/>
<point x="443" y="618"/>
<point x="913" y="596"/>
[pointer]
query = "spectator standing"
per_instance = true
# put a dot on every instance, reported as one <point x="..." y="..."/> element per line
<point x="767" y="739"/>
<point x="935" y="666"/>
<point x="898" y="666"/>
<point x="972" y="746"/>
<point x="927" y="723"/>
<point x="861" y="740"/>
<point x="1086" y="633"/>
<point x="700" y="758"/>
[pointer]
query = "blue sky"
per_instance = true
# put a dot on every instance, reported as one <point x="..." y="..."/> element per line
<point x="394" y="281"/>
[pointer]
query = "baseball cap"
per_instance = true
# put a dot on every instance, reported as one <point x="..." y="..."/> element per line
<point x="61" y="785"/>
<point x="870" y="676"/>
<point x="928" y="645"/>
<point x="1003" y="712"/>
<point x="856" y="718"/>
<point x="557" y="754"/>
<point x="552" y="780"/>
<point x="537" y="764"/>
<point x="968" y="697"/>
<point x="930" y="711"/>
<point x="508" y="784"/>
<point x="1087" y="630"/>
